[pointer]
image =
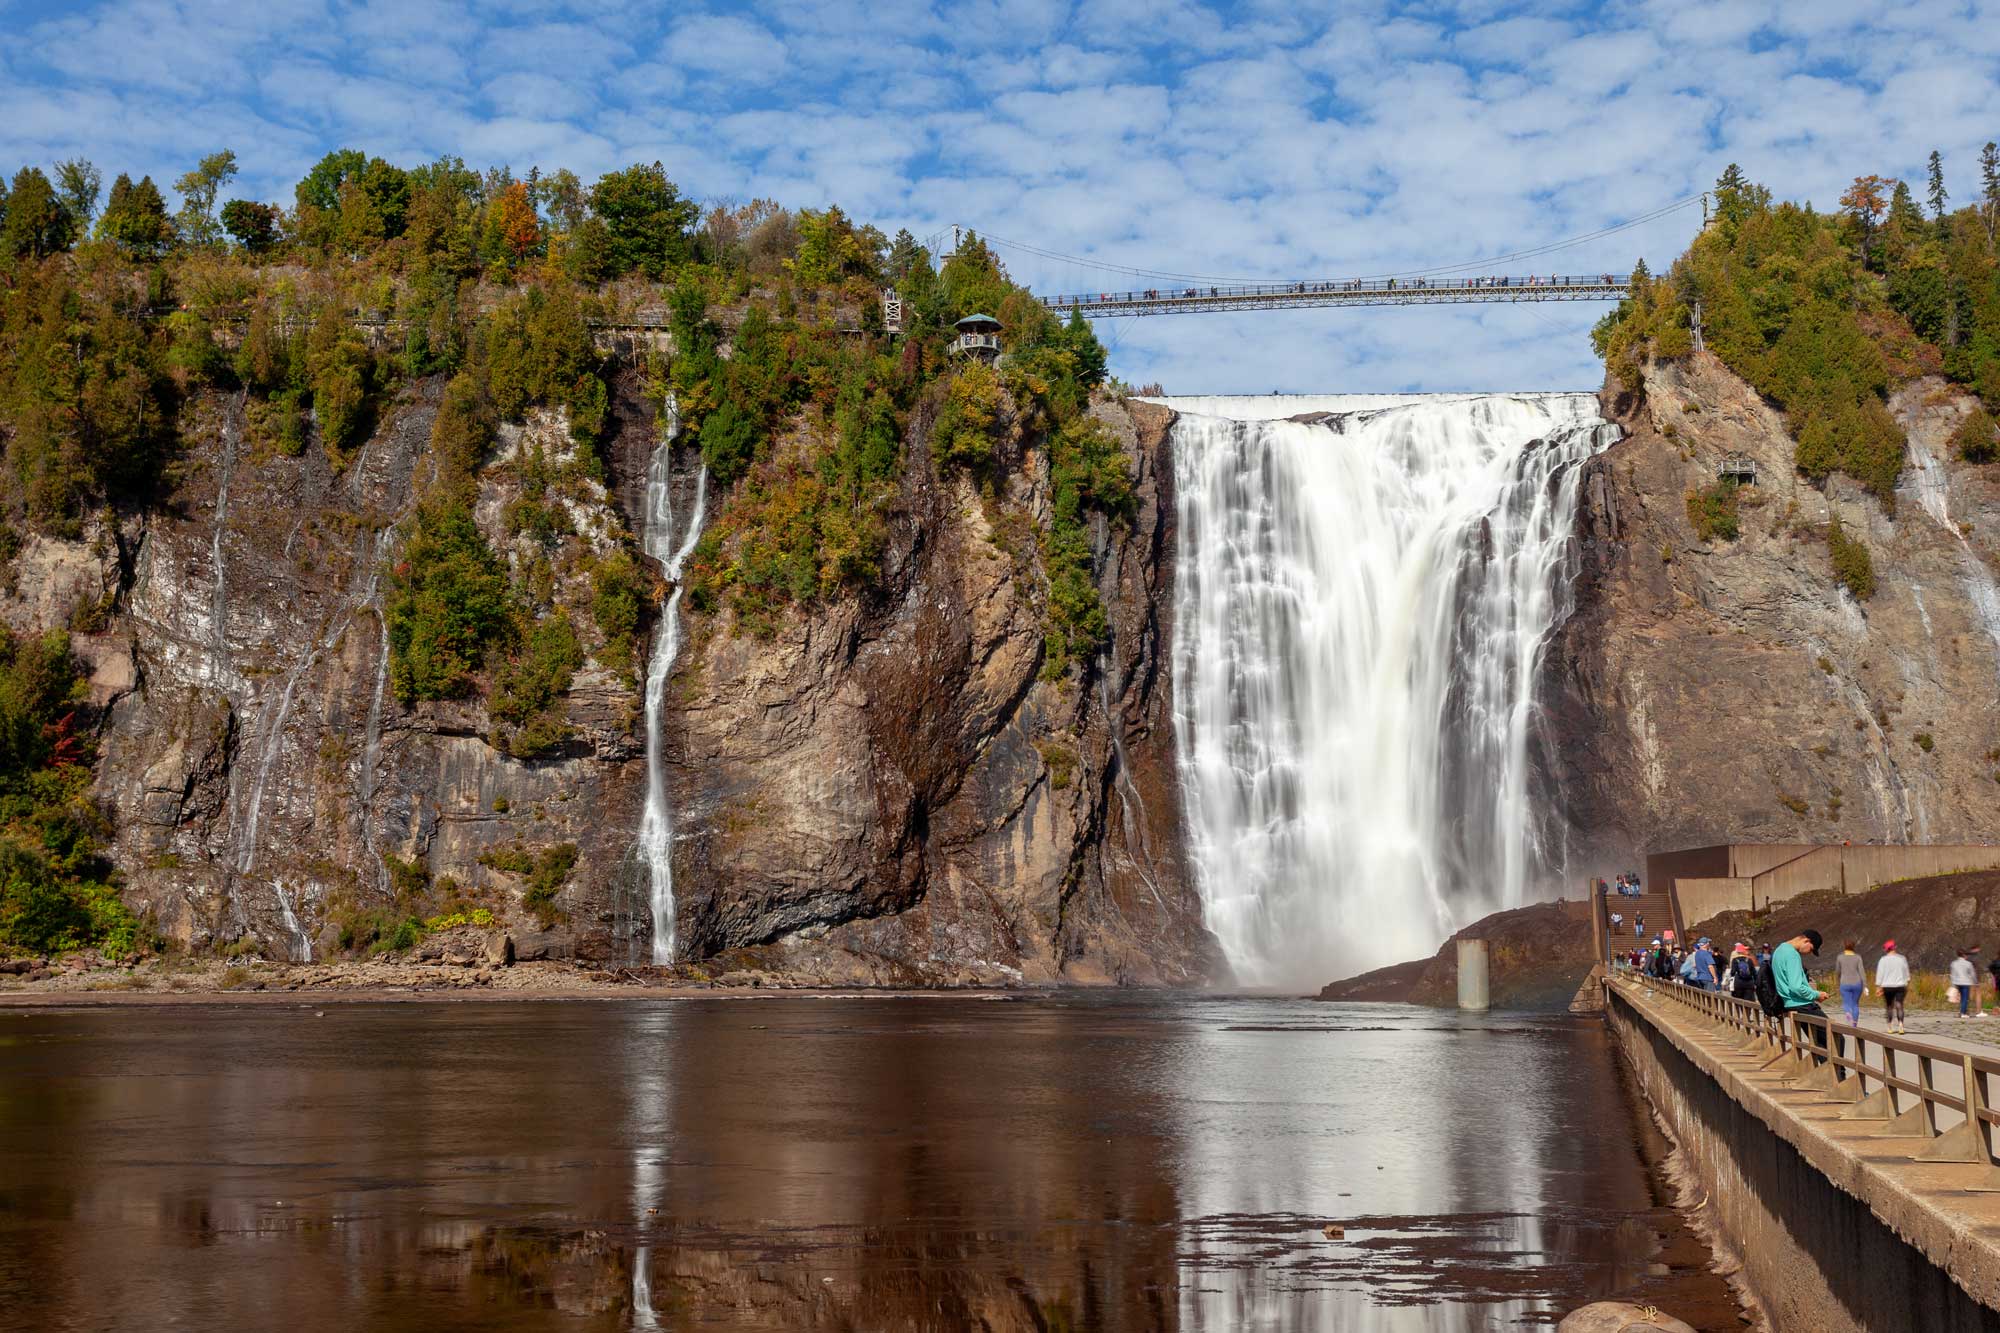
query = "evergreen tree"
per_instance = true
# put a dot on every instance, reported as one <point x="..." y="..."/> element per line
<point x="36" y="224"/>
<point x="135" y="216"/>
<point x="77" y="184"/>
<point x="904" y="255"/>
<point x="1936" y="193"/>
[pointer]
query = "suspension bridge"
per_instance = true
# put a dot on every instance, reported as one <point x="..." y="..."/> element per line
<point x="1351" y="292"/>
<point x="1488" y="281"/>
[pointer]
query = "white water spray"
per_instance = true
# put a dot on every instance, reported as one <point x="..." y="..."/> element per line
<point x="656" y="829"/>
<point x="1362" y="599"/>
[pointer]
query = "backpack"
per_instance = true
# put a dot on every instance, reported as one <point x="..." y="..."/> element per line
<point x="1687" y="968"/>
<point x="1767" y="991"/>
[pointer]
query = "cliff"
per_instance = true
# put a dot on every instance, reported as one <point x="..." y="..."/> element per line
<point x="890" y="790"/>
<point x="883" y="789"/>
<point x="1732" y="690"/>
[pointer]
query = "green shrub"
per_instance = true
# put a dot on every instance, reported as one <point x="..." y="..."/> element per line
<point x="544" y="874"/>
<point x="1852" y="565"/>
<point x="1087" y="471"/>
<point x="448" y="605"/>
<point x="530" y="686"/>
<point x="1712" y="511"/>
<point x="968" y="424"/>
<point x="57" y="892"/>
<point x="1924" y="741"/>
<point x="1974" y="439"/>
<point x="463" y="429"/>
<point x="616" y="604"/>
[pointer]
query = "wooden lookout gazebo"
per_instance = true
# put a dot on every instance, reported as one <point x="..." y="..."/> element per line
<point x="978" y="337"/>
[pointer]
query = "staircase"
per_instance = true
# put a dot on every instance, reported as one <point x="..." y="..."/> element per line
<point x="1656" y="907"/>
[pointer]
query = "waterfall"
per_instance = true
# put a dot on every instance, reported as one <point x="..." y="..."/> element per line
<point x="656" y="829"/>
<point x="1363" y="592"/>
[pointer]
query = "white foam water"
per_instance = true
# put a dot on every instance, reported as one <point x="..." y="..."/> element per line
<point x="1362" y="600"/>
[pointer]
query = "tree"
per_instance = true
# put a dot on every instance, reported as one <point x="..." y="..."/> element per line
<point x="77" y="185"/>
<point x="1087" y="352"/>
<point x="513" y="223"/>
<point x="253" y="225"/>
<point x="36" y="224"/>
<point x="904" y="255"/>
<point x="1936" y="193"/>
<point x="1989" y="179"/>
<point x="1864" y="202"/>
<point x="135" y="216"/>
<point x="646" y="217"/>
<point x="388" y="191"/>
<point x="321" y="187"/>
<point x="566" y="202"/>
<point x="198" y="189"/>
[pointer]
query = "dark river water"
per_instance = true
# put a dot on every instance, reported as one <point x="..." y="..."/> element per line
<point x="1055" y="1163"/>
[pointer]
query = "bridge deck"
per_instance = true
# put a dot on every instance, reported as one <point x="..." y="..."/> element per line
<point x="1354" y="292"/>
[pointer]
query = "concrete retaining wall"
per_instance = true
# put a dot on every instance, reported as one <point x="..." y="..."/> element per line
<point x="1703" y="898"/>
<point x="1858" y="869"/>
<point x="1867" y="1252"/>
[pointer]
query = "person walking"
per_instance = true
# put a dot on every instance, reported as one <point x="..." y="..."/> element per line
<point x="1892" y="978"/>
<point x="1964" y="980"/>
<point x="1742" y="973"/>
<point x="1852" y="974"/>
<point x="1994" y="968"/>
<point x="1704" y="965"/>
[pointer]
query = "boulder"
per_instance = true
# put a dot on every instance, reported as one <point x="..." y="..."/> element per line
<point x="1621" y="1317"/>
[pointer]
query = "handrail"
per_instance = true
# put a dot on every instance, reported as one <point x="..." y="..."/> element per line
<point x="1587" y="282"/>
<point x="1816" y="1046"/>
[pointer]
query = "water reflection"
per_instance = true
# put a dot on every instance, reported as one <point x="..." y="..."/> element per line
<point x="1141" y="1162"/>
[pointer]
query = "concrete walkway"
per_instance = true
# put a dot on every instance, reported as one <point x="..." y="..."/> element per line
<point x="1943" y="1208"/>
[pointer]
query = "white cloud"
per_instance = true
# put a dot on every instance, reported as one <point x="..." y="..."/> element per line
<point x="1268" y="139"/>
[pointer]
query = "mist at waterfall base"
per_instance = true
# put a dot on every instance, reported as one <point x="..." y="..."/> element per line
<point x="1364" y="589"/>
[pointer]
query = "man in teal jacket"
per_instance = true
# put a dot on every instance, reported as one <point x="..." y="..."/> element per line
<point x="1788" y="971"/>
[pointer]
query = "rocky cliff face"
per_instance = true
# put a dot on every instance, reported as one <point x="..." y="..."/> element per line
<point x="889" y="790"/>
<point x="882" y="790"/>
<point x="1715" y="691"/>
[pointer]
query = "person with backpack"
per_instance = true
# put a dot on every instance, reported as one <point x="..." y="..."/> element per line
<point x="1892" y="978"/>
<point x="1742" y="973"/>
<point x="1701" y="966"/>
<point x="1782" y="987"/>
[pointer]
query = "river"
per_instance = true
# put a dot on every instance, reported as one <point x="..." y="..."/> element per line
<point x="1067" y="1161"/>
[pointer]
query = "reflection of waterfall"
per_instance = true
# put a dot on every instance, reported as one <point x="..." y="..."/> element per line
<point x="656" y="830"/>
<point x="1362" y="599"/>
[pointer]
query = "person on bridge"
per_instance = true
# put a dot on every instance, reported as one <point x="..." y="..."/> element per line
<point x="1742" y="973"/>
<point x="1852" y="974"/>
<point x="1965" y="980"/>
<point x="1892" y="978"/>
<point x="1704" y="976"/>
<point x="1788" y="973"/>
<point x="1994" y="969"/>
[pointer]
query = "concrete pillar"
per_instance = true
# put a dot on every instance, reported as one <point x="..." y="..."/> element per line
<point x="1472" y="974"/>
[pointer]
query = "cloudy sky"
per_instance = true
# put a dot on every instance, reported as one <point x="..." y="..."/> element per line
<point x="1260" y="141"/>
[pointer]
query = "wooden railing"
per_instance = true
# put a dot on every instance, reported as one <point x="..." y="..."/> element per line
<point x="1899" y="1086"/>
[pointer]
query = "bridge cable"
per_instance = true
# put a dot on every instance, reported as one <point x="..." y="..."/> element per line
<point x="1488" y="262"/>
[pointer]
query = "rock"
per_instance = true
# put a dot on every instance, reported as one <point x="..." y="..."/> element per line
<point x="15" y="967"/>
<point x="1619" y="1317"/>
<point x="41" y="974"/>
<point x="1332" y="1232"/>
<point x="1731" y="691"/>
<point x="534" y="946"/>
<point x="499" y="949"/>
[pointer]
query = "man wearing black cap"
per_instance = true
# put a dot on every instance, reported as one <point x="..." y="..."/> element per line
<point x="1788" y="971"/>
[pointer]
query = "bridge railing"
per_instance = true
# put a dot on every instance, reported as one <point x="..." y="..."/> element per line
<point x="1578" y="282"/>
<point x="1900" y="1086"/>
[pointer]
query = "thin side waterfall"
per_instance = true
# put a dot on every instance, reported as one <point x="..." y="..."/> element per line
<point x="1364" y="589"/>
<point x="656" y="829"/>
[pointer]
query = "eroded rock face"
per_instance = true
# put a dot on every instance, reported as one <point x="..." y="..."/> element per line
<point x="1709" y="692"/>
<point x="254" y="763"/>
<point x="885" y="790"/>
<point x="890" y="791"/>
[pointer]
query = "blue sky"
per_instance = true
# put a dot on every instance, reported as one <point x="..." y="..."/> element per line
<point x="1259" y="140"/>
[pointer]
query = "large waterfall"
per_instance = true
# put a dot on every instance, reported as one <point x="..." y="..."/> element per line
<point x="1364" y="589"/>
<point x="656" y="829"/>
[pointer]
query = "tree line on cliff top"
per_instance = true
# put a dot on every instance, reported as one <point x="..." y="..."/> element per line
<point x="1826" y="313"/>
<point x="118" y="312"/>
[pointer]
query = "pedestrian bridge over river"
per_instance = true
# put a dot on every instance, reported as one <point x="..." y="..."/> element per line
<point x="1498" y="289"/>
